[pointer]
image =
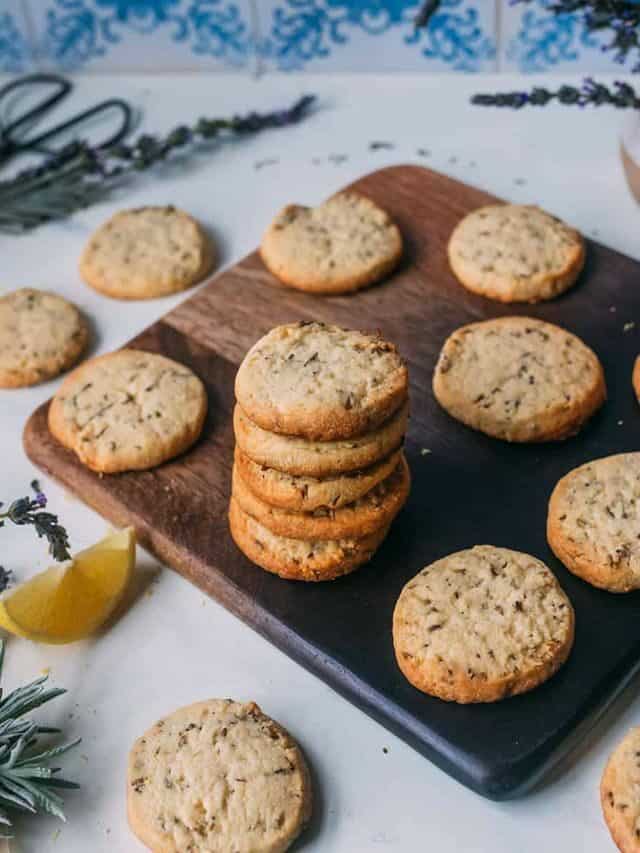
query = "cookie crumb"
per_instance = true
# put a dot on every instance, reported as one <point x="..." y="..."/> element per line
<point x="628" y="326"/>
<point x="268" y="161"/>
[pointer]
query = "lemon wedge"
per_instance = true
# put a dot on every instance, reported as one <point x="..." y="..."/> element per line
<point x="69" y="601"/>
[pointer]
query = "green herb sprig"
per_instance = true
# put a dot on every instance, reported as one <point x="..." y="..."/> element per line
<point x="28" y="782"/>
<point x="79" y="174"/>
<point x="29" y="511"/>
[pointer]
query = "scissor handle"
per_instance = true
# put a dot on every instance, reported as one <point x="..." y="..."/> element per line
<point x="103" y="106"/>
<point x="63" y="87"/>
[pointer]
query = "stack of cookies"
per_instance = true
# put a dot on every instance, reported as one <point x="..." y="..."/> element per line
<point x="319" y="472"/>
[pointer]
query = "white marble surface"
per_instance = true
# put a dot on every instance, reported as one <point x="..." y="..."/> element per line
<point x="173" y="645"/>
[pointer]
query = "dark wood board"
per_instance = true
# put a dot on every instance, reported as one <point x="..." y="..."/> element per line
<point x="468" y="490"/>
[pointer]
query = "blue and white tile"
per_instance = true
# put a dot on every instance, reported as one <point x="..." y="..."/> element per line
<point x="375" y="35"/>
<point x="533" y="39"/>
<point x="154" y="35"/>
<point x="15" y="46"/>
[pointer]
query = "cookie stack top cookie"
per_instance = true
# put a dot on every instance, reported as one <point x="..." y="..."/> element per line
<point x="321" y="382"/>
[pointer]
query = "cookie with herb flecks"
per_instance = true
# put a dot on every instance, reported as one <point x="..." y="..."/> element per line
<point x="594" y="521"/>
<point x="344" y="244"/>
<point x="321" y="382"/>
<point x="300" y="559"/>
<point x="217" y="776"/>
<point x="620" y="793"/>
<point x="368" y="514"/>
<point x="145" y="253"/>
<point x="319" y="459"/>
<point x="519" y="379"/>
<point x="481" y="625"/>
<point x="41" y="335"/>
<point x="515" y="253"/>
<point x="128" y="410"/>
<point x="307" y="494"/>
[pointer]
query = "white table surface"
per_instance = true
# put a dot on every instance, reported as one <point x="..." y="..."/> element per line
<point x="174" y="646"/>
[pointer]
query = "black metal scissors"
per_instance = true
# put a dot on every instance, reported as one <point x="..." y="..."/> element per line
<point x="15" y="135"/>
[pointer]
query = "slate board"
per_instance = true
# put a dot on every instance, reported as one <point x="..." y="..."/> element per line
<point x="468" y="490"/>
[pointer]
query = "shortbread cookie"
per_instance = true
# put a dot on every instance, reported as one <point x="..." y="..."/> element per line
<point x="344" y="244"/>
<point x="594" y="522"/>
<point x="128" y="410"/>
<point x="146" y="252"/>
<point x="515" y="253"/>
<point x="306" y="494"/>
<point x="636" y="377"/>
<point x="217" y="776"/>
<point x="41" y="335"/>
<point x="375" y="510"/>
<point x="319" y="459"/>
<point x="321" y="382"/>
<point x="299" y="559"/>
<point x="620" y="793"/>
<point x="519" y="379"/>
<point x="481" y="625"/>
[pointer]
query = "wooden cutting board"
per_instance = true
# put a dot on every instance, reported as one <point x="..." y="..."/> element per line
<point x="468" y="489"/>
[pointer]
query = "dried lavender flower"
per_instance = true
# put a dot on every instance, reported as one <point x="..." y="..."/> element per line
<point x="591" y="93"/>
<point x="622" y="17"/>
<point x="28" y="511"/>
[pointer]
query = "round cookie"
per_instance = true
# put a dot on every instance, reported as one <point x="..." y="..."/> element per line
<point x="481" y="625"/>
<point x="319" y="459"/>
<point x="515" y="253"/>
<point x="519" y="379"/>
<point x="375" y="510"/>
<point x="128" y="410"/>
<point x="217" y="776"/>
<point x="41" y="335"/>
<point x="146" y="252"/>
<point x="299" y="559"/>
<point x="344" y="244"/>
<point x="635" y="379"/>
<point x="306" y="494"/>
<point x="620" y="793"/>
<point x="594" y="521"/>
<point x="321" y="382"/>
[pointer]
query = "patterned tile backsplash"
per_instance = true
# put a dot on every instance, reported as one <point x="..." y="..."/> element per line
<point x="293" y="35"/>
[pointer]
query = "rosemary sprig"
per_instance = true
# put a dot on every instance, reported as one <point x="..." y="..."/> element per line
<point x="79" y="175"/>
<point x="620" y="95"/>
<point x="29" y="511"/>
<point x="27" y="781"/>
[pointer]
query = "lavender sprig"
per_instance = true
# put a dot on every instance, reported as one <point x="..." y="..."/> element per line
<point x="79" y="174"/>
<point x="591" y="93"/>
<point x="28" y="511"/>
<point x="622" y="17"/>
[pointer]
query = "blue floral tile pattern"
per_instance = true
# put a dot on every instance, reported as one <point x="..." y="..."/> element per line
<point x="15" y="52"/>
<point x="337" y="34"/>
<point x="142" y="33"/>
<point x="533" y="39"/>
<point x="296" y="35"/>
